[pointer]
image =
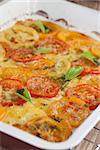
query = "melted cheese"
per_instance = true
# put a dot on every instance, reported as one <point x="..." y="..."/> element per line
<point x="22" y="114"/>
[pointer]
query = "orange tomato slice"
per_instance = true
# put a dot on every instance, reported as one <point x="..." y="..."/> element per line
<point x="72" y="109"/>
<point x="76" y="100"/>
<point x="96" y="49"/>
<point x="42" y="64"/>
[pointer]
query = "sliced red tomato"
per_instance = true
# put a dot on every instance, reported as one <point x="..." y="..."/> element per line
<point x="86" y="92"/>
<point x="25" y="55"/>
<point x="11" y="84"/>
<point x="86" y="64"/>
<point x="8" y="95"/>
<point x="20" y="102"/>
<point x="8" y="104"/>
<point x="95" y="71"/>
<point x="56" y="45"/>
<point x="42" y="87"/>
<point x="89" y="67"/>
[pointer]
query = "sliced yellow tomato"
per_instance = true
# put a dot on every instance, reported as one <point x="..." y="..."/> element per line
<point x="42" y="64"/>
<point x="76" y="40"/>
<point x="76" y="100"/>
<point x="96" y="49"/>
<point x="69" y="35"/>
<point x="18" y="72"/>
<point x="62" y="36"/>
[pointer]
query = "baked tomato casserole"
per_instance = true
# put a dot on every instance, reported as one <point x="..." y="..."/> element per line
<point x="49" y="78"/>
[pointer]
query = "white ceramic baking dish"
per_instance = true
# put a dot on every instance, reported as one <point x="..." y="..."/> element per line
<point x="69" y="15"/>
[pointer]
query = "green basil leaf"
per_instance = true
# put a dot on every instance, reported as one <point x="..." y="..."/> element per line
<point x="41" y="26"/>
<point x="27" y="94"/>
<point x="47" y="30"/>
<point x="24" y="94"/>
<point x="88" y="55"/>
<point x="43" y="50"/>
<point x="73" y="72"/>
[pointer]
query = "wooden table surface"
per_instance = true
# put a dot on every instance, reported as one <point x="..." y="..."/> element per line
<point x="92" y="140"/>
<point x="94" y="4"/>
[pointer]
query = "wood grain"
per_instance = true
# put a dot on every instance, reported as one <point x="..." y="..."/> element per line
<point x="91" y="141"/>
<point x="95" y="4"/>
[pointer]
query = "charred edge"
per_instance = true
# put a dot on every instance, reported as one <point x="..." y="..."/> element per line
<point x="42" y="13"/>
<point x="62" y="20"/>
<point x="65" y="22"/>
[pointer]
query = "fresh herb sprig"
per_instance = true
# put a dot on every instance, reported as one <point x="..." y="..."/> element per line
<point x="41" y="26"/>
<point x="24" y="94"/>
<point x="88" y="55"/>
<point x="73" y="73"/>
